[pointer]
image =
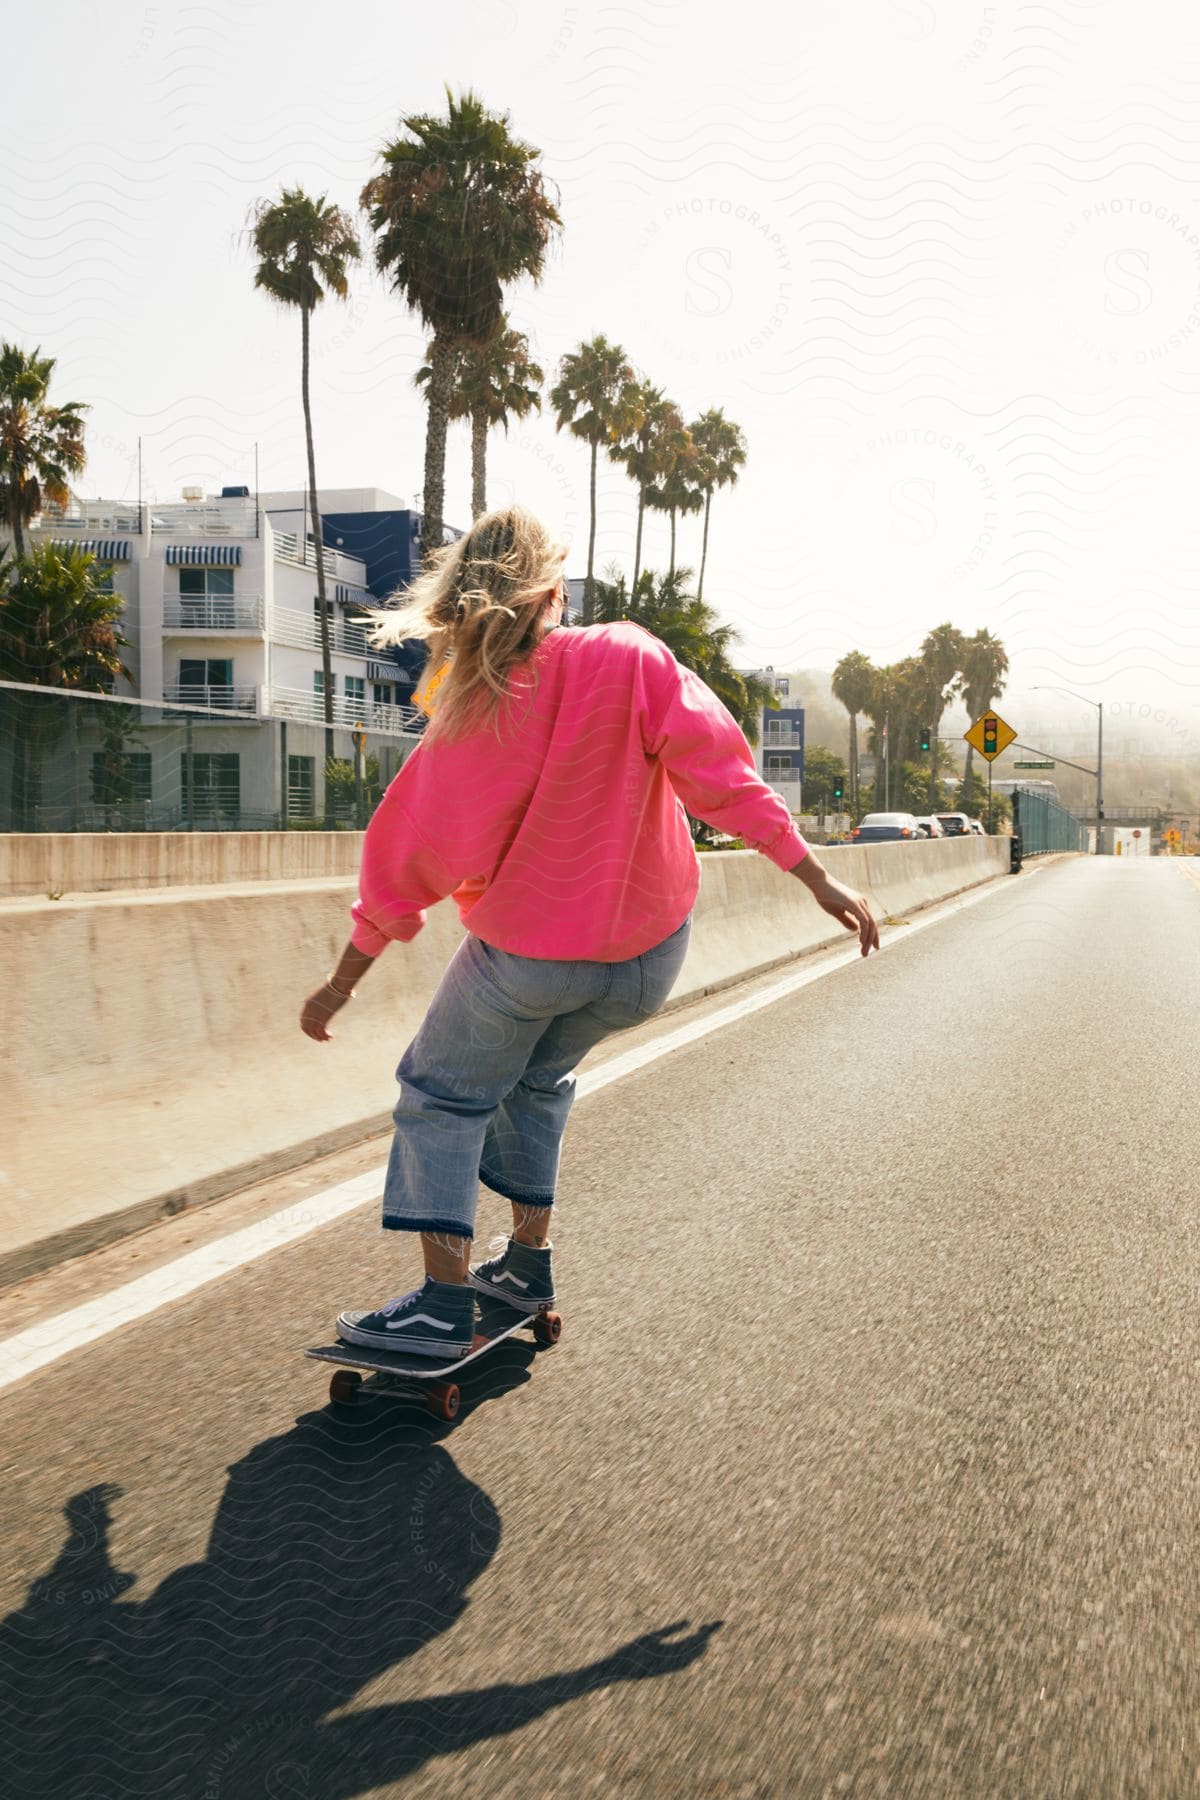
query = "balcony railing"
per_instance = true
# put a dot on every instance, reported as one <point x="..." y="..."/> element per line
<point x="214" y="699"/>
<point x="88" y="516"/>
<point x="214" y="613"/>
<point x="301" y="553"/>
<point x="296" y="703"/>
<point x="214" y="518"/>
<point x="302" y="632"/>
<point x="781" y="740"/>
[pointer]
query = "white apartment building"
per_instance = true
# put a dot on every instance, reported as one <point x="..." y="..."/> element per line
<point x="221" y="611"/>
<point x="222" y="617"/>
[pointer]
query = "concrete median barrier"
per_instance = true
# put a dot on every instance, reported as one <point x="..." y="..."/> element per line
<point x="156" y="1046"/>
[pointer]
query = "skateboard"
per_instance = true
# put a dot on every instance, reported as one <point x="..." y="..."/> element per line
<point x="494" y="1322"/>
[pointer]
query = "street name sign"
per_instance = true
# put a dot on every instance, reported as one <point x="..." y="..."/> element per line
<point x="1033" y="765"/>
<point x="990" y="735"/>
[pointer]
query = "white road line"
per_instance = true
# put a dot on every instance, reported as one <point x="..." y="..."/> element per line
<point x="42" y="1344"/>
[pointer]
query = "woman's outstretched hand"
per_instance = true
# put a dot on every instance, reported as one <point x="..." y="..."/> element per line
<point x="841" y="903"/>
<point x="318" y="1009"/>
<point x="849" y="909"/>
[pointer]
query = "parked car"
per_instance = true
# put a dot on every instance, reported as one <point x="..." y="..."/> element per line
<point x="931" y="825"/>
<point x="978" y="827"/>
<point x="877" y="828"/>
<point x="955" y="824"/>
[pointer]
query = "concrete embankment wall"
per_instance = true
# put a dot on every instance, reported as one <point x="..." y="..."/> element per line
<point x="156" y="1052"/>
<point x="85" y="862"/>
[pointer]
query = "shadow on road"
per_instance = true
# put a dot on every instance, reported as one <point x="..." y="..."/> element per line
<point x="337" y="1550"/>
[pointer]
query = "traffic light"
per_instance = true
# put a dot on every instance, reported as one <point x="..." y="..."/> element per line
<point x="990" y="726"/>
<point x="926" y="737"/>
<point x="837" y="790"/>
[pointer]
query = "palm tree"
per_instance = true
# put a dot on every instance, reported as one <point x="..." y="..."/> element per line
<point x="40" y="445"/>
<point x="852" y="682"/>
<point x="458" y="211"/>
<point x="882" y="709"/>
<point x="597" y="398"/>
<point x="58" y="629"/>
<point x="721" y="452"/>
<point x="678" y="491"/>
<point x="491" y="386"/>
<point x="941" y="662"/>
<point x="651" y="451"/>
<point x="984" y="668"/>
<point x="303" y="246"/>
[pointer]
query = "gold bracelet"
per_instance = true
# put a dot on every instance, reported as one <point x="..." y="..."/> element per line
<point x="341" y="992"/>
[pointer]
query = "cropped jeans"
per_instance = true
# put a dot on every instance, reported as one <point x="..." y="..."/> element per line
<point x="487" y="1083"/>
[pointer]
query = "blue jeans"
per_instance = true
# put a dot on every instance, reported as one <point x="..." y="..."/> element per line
<point x="487" y="1083"/>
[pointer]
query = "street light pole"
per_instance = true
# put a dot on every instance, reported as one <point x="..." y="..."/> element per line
<point x="1099" y="705"/>
<point x="1099" y="775"/>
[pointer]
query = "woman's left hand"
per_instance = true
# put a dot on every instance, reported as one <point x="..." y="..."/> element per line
<point x="319" y="1008"/>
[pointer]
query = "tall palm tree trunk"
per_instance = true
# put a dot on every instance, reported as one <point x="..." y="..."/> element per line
<point x="441" y="392"/>
<point x="319" y="551"/>
<point x="964" y="797"/>
<point x="637" y="548"/>
<point x="18" y="528"/>
<point x="896" y="765"/>
<point x="589" y="586"/>
<point x="933" y="762"/>
<point x="479" y="431"/>
<point x="672" y="568"/>
<point x="704" y="543"/>
<point x="854" y="764"/>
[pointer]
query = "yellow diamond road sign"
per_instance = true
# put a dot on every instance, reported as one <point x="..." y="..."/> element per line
<point x="990" y="735"/>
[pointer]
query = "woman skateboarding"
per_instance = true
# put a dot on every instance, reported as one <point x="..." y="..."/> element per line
<point x="545" y="796"/>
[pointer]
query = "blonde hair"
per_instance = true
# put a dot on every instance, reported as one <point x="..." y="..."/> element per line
<point x="480" y="604"/>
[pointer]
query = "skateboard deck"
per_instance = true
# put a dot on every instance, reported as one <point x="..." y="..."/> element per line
<point x="494" y="1322"/>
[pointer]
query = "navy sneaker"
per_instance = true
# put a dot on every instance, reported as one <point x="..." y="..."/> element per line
<point x="521" y="1276"/>
<point x="436" y="1319"/>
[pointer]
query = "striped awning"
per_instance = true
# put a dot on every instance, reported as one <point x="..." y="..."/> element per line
<point x="348" y="596"/>
<point x="107" y="549"/>
<point x="205" y="553"/>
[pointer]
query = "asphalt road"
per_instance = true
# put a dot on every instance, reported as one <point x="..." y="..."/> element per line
<point x="867" y="1463"/>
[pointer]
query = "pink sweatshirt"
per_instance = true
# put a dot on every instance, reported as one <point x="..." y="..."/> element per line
<point x="569" y="840"/>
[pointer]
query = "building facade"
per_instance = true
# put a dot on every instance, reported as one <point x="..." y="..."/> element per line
<point x="779" y="753"/>
<point x="222" y="617"/>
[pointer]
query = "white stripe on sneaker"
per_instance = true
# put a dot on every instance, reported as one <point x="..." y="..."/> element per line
<point x="420" y="1319"/>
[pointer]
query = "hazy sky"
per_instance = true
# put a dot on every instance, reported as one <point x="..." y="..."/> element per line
<point x="941" y="261"/>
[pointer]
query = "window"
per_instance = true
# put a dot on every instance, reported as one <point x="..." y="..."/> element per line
<point x="301" y="787"/>
<point x="207" y="596"/>
<point x="319" y="682"/>
<point x="120" y="777"/>
<point x="206" y="673"/>
<point x="780" y="765"/>
<point x="216" y="784"/>
<point x="781" y="686"/>
<point x="384" y="693"/>
<point x="356" y="689"/>
<point x="103" y="577"/>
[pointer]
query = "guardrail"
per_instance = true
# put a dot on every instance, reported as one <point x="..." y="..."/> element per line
<point x="240" y="612"/>
<point x="291" y="548"/>
<point x="297" y="703"/>
<point x="220" y="518"/>
<point x="214" y="699"/>
<point x="300" y="632"/>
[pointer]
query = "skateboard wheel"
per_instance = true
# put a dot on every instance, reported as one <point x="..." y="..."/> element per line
<point x="547" y="1327"/>
<point x="343" y="1389"/>
<point x="443" y="1400"/>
